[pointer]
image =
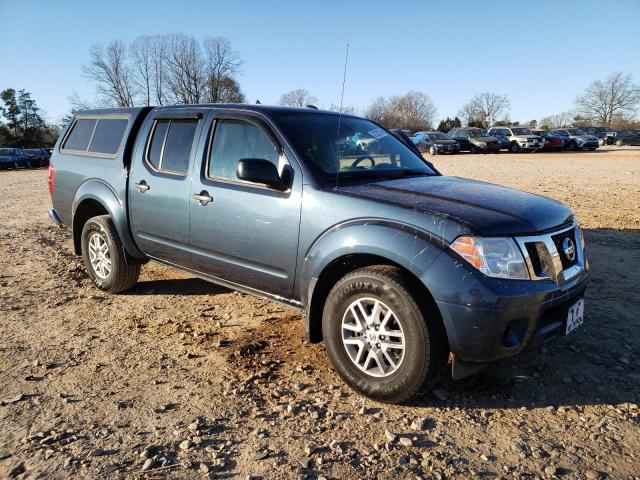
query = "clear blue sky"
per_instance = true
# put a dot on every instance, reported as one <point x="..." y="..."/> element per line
<point x="540" y="54"/>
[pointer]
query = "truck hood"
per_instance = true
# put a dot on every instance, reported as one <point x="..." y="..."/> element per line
<point x="478" y="207"/>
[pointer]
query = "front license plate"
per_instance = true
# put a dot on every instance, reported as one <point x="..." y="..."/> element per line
<point x="575" y="317"/>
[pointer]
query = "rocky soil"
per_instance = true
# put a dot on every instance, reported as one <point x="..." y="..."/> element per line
<point x="182" y="379"/>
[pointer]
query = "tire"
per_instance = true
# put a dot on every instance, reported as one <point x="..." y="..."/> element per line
<point x="15" y="165"/>
<point x="432" y="150"/>
<point x="121" y="276"/>
<point x="592" y="149"/>
<point x="473" y="150"/>
<point x="572" y="146"/>
<point x="515" y="148"/>
<point x="425" y="351"/>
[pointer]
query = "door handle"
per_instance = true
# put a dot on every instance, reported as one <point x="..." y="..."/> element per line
<point x="142" y="186"/>
<point x="203" y="197"/>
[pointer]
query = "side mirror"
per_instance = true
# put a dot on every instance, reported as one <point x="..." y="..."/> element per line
<point x="258" y="170"/>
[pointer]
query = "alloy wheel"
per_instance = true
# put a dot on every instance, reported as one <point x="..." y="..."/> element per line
<point x="99" y="255"/>
<point x="373" y="337"/>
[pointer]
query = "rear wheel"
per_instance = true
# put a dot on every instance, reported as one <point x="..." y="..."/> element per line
<point x="473" y="150"/>
<point x="572" y="146"/>
<point x="104" y="256"/>
<point x="382" y="340"/>
<point x="432" y="150"/>
<point x="515" y="148"/>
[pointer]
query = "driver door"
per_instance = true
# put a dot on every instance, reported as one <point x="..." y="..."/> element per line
<point x="248" y="233"/>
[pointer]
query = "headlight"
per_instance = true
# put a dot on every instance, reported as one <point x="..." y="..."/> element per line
<point x="493" y="256"/>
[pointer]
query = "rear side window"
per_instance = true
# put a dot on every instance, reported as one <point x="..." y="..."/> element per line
<point x="170" y="145"/>
<point x="107" y="136"/>
<point x="80" y="135"/>
<point x="99" y="136"/>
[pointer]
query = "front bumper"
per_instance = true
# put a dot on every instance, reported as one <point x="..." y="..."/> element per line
<point x="530" y="145"/>
<point x="489" y="319"/>
<point x="447" y="148"/>
<point x="589" y="144"/>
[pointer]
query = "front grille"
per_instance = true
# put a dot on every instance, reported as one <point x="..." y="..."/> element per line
<point x="558" y="241"/>
<point x="546" y="258"/>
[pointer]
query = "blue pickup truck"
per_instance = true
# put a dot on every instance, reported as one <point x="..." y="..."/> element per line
<point x="396" y="266"/>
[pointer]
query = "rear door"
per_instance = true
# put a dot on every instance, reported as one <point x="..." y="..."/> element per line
<point x="160" y="184"/>
<point x="247" y="233"/>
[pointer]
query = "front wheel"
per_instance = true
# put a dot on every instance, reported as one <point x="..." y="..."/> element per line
<point x="432" y="150"/>
<point x="515" y="148"/>
<point x="382" y="339"/>
<point x="104" y="256"/>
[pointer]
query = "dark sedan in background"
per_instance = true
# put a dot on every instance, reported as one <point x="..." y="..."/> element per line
<point x="38" y="157"/>
<point x="630" y="137"/>
<point x="13" y="158"/>
<point x="435" y="143"/>
<point x="505" y="143"/>
<point x="475" y="140"/>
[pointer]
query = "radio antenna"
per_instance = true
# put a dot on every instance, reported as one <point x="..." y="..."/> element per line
<point x="344" y="76"/>
<point x="344" y="80"/>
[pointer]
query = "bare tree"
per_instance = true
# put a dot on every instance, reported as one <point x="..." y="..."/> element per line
<point x="184" y="76"/>
<point x="485" y="107"/>
<point x="345" y="109"/>
<point x="412" y="111"/>
<point x="378" y="110"/>
<point x="143" y="71"/>
<point x="108" y="67"/>
<point x="558" y="120"/>
<point x="222" y="64"/>
<point x="229" y="91"/>
<point x="158" y="56"/>
<point x="604" y="101"/>
<point x="297" y="98"/>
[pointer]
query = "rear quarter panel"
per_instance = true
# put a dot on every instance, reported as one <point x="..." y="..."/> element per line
<point x="78" y="177"/>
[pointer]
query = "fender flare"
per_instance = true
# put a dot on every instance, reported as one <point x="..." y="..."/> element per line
<point x="405" y="245"/>
<point x="99" y="191"/>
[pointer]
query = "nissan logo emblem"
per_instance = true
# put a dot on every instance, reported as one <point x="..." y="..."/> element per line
<point x="569" y="249"/>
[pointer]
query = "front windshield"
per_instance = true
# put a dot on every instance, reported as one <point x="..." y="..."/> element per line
<point x="438" y="136"/>
<point x="478" y="133"/>
<point x="521" y="131"/>
<point x="576" y="131"/>
<point x="5" y="151"/>
<point x="344" y="145"/>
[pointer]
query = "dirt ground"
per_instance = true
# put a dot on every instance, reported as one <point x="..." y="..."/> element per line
<point x="182" y="379"/>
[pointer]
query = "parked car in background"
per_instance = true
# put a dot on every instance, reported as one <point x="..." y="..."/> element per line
<point x="550" y="141"/>
<point x="38" y="157"/>
<point x="505" y="143"/>
<point x="630" y="137"/>
<point x="13" y="158"/>
<point x="606" y="135"/>
<point x="435" y="143"/>
<point x="475" y="140"/>
<point x="520" y="138"/>
<point x="577" y="139"/>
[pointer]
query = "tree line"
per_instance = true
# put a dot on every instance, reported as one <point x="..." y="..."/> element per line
<point x="23" y="125"/>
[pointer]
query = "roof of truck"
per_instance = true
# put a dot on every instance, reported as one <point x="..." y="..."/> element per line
<point x="234" y="106"/>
